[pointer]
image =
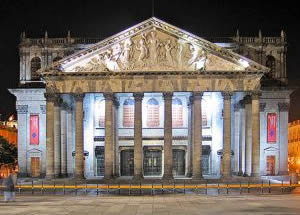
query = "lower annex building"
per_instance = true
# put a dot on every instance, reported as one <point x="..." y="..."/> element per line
<point x="153" y="101"/>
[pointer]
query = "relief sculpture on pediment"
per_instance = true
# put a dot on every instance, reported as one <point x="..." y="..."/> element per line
<point x="153" y="50"/>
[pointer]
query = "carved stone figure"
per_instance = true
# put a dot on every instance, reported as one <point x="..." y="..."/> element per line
<point x="168" y="48"/>
<point x="125" y="56"/>
<point x="153" y="47"/>
<point x="143" y="51"/>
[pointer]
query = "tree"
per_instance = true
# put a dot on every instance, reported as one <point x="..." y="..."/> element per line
<point x="8" y="152"/>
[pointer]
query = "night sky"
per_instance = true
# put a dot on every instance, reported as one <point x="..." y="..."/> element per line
<point x="97" y="19"/>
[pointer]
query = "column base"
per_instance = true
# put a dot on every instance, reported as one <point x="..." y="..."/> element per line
<point x="50" y="177"/>
<point x="137" y="177"/>
<point x="283" y="173"/>
<point x="240" y="173"/>
<point x="167" y="177"/>
<point x="255" y="175"/>
<point x="245" y="175"/>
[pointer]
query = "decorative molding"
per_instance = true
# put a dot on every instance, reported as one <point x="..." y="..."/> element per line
<point x="109" y="96"/>
<point x="227" y="95"/>
<point x="138" y="97"/>
<point x="283" y="107"/>
<point x="168" y="95"/>
<point x="50" y="97"/>
<point x="22" y="109"/>
<point x="78" y="97"/>
<point x="43" y="109"/>
<point x="255" y="94"/>
<point x="196" y="95"/>
<point x="262" y="107"/>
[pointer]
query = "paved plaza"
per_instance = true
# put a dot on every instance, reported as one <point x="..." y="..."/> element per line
<point x="162" y="204"/>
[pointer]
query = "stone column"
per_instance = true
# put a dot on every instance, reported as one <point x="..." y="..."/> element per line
<point x="190" y="139"/>
<point x="248" y="135"/>
<point x="64" y="112"/>
<point x="197" y="135"/>
<point x="57" y="136"/>
<point x="242" y="138"/>
<point x="236" y="135"/>
<point x="138" y="136"/>
<point x="108" y="157"/>
<point x="168" y="137"/>
<point x="255" y="135"/>
<point x="79" y="148"/>
<point x="227" y="134"/>
<point x="50" y="97"/>
<point x="283" y="131"/>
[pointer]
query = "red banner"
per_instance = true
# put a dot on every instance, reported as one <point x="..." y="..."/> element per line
<point x="34" y="129"/>
<point x="272" y="119"/>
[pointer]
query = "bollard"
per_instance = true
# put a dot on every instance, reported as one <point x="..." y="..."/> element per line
<point x="282" y="186"/>
<point x="32" y="191"/>
<point x="290" y="185"/>
<point x="184" y="186"/>
<point x="218" y="188"/>
<point x="206" y="191"/>
<point x="152" y="190"/>
<point x="174" y="186"/>
<point x="227" y="190"/>
<point x="248" y="187"/>
<point x="42" y="189"/>
<point x="107" y="188"/>
<point x="140" y="188"/>
<point x="119" y="189"/>
<point x="262" y="186"/>
<point x="64" y="188"/>
<point x="162" y="187"/>
<point x="240" y="188"/>
<point x="75" y="188"/>
<point x="54" y="187"/>
<point x="85" y="188"/>
<point x="269" y="186"/>
<point x="130" y="189"/>
<point x="97" y="191"/>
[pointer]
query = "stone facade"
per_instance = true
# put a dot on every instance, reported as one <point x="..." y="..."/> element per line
<point x="294" y="146"/>
<point x="224" y="94"/>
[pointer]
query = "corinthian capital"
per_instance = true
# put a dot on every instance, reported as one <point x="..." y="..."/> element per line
<point x="226" y="95"/>
<point x="168" y="95"/>
<point x="78" y="97"/>
<point x="138" y="97"/>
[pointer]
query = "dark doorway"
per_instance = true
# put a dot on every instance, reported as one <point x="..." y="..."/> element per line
<point x="178" y="162"/>
<point x="127" y="162"/>
<point x="99" y="154"/>
<point x="152" y="162"/>
<point x="205" y="159"/>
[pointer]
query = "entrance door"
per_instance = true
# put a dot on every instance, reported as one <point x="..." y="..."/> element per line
<point x="178" y="162"/>
<point x="99" y="154"/>
<point x="127" y="164"/>
<point x="152" y="162"/>
<point x="35" y="166"/>
<point x="271" y="165"/>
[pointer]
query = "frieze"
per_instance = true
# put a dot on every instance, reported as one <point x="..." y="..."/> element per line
<point x="22" y="109"/>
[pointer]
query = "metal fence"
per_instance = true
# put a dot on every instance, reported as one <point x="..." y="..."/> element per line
<point x="59" y="188"/>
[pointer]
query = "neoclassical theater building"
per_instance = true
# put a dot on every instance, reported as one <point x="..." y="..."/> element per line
<point x="152" y="101"/>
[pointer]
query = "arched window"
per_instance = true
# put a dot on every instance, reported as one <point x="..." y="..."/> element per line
<point x="101" y="113"/>
<point x="57" y="59"/>
<point x="270" y="63"/>
<point x="177" y="113"/>
<point x="152" y="113"/>
<point x="35" y="65"/>
<point x="128" y="113"/>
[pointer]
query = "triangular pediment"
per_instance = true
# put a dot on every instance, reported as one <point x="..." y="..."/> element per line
<point x="154" y="45"/>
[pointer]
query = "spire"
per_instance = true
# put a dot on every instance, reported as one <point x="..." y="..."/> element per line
<point x="46" y="34"/>
<point x="259" y="34"/>
<point x="282" y="35"/>
<point x="24" y="35"/>
<point x="237" y="35"/>
<point x="69" y="34"/>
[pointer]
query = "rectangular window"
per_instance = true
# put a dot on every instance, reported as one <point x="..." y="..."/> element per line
<point x="34" y="129"/>
<point x="271" y="129"/>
